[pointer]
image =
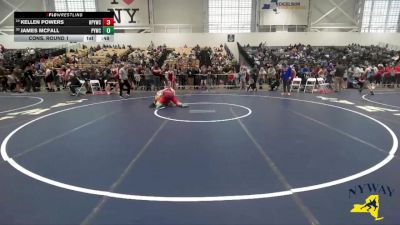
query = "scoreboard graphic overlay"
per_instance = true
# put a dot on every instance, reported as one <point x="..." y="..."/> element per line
<point x="64" y="26"/>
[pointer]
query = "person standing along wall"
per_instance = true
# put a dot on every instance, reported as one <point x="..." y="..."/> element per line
<point x="28" y="74"/>
<point x="286" y="74"/>
<point x="262" y="77"/>
<point x="271" y="76"/>
<point x="49" y="79"/>
<point x="339" y="73"/>
<point x="171" y="78"/>
<point x="397" y="74"/>
<point x="57" y="78"/>
<point x="3" y="80"/>
<point x="242" y="77"/>
<point x="157" y="76"/>
<point x="124" y="80"/>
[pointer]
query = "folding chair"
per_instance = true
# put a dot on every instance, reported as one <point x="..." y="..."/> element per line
<point x="296" y="84"/>
<point x="78" y="89"/>
<point x="95" y="86"/>
<point x="323" y="86"/>
<point x="111" y="85"/>
<point x="310" y="83"/>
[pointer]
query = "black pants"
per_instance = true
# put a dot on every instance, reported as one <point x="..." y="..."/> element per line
<point x="102" y="84"/>
<point x="182" y="80"/>
<point x="387" y="80"/>
<point x="286" y="85"/>
<point x="157" y="82"/>
<point x="274" y="84"/>
<point x="397" y="79"/>
<point x="28" y="85"/>
<point x="121" y="86"/>
<point x="4" y="85"/>
<point x="13" y="86"/>
<point x="57" y="83"/>
<point x="73" y="88"/>
<point x="361" y="86"/>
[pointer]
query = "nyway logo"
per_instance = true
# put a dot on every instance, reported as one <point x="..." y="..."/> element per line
<point x="372" y="203"/>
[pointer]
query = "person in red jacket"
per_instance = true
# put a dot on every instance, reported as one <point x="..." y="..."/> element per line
<point x="157" y="74"/>
<point x="171" y="77"/>
<point x="379" y="74"/>
<point x="231" y="79"/>
<point x="387" y="79"/>
<point x="397" y="74"/>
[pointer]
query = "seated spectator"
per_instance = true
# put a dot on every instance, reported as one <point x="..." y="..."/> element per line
<point x="271" y="75"/>
<point x="74" y="84"/>
<point x="12" y="82"/>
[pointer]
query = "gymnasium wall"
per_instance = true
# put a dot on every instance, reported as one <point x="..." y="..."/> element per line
<point x="294" y="14"/>
<point x="192" y="12"/>
<point x="7" y="13"/>
<point x="319" y="8"/>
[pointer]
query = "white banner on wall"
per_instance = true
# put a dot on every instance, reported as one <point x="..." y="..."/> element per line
<point x="128" y="13"/>
<point x="284" y="12"/>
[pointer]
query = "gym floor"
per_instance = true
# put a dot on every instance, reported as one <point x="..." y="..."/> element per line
<point x="230" y="158"/>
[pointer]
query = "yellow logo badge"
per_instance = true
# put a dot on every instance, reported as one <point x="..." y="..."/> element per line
<point x="371" y="206"/>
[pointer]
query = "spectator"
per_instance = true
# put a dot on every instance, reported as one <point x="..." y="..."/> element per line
<point x="213" y="78"/>
<point x="183" y="74"/>
<point x="171" y="78"/>
<point x="285" y="75"/>
<point x="74" y="84"/>
<point x="231" y="79"/>
<point x="124" y="80"/>
<point x="148" y="78"/>
<point x="387" y="76"/>
<point x="243" y="77"/>
<point x="157" y="73"/>
<point x="253" y="79"/>
<point x="262" y="77"/>
<point x="57" y="78"/>
<point x="131" y="77"/>
<point x="397" y="74"/>
<point x="49" y="79"/>
<point x="29" y="78"/>
<point x="203" y="77"/>
<point x="379" y="74"/>
<point x="339" y="73"/>
<point x="271" y="75"/>
<point x="3" y="80"/>
<point x="138" y="75"/>
<point x="12" y="82"/>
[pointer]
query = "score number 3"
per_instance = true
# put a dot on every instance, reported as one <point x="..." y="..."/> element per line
<point x="108" y="21"/>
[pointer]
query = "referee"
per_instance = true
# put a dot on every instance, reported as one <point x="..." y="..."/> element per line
<point x="123" y="80"/>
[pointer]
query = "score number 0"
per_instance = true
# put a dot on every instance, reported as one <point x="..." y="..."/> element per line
<point x="108" y="26"/>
